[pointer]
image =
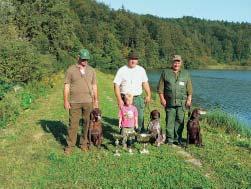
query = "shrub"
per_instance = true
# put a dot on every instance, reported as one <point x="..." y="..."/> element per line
<point x="218" y="118"/>
<point x="21" y="62"/>
<point x="4" y="87"/>
<point x="15" y="102"/>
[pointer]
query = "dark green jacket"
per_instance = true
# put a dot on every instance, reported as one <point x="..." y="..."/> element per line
<point x="175" y="87"/>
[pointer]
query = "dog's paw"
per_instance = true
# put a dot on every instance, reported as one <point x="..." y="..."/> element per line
<point x="200" y="145"/>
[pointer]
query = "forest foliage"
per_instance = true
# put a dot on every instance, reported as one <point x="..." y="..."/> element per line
<point x="40" y="37"/>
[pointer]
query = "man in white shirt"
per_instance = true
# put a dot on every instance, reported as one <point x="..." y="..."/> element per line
<point x="131" y="78"/>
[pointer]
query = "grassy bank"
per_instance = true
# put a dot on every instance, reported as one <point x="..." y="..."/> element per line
<point x="32" y="153"/>
<point x="224" y="67"/>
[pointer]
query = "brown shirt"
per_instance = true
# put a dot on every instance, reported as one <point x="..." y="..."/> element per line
<point x="80" y="84"/>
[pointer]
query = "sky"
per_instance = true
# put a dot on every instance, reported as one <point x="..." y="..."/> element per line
<point x="227" y="10"/>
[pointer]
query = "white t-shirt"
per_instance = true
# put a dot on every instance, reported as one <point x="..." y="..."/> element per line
<point x="130" y="79"/>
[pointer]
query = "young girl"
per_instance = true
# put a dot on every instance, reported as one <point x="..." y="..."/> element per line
<point x="128" y="118"/>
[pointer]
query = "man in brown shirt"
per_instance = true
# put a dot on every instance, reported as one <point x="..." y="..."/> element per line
<point x="80" y="97"/>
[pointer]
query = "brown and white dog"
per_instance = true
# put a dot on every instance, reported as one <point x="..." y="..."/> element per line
<point x="95" y="128"/>
<point x="154" y="128"/>
<point x="193" y="128"/>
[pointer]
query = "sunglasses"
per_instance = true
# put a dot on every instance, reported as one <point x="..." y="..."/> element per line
<point x="83" y="60"/>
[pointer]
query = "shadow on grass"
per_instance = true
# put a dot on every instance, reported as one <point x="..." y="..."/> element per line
<point x="110" y="126"/>
<point x="57" y="128"/>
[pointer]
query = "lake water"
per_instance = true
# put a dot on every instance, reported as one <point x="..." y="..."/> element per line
<point x="229" y="90"/>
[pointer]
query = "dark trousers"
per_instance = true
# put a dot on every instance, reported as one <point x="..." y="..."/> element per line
<point x="79" y="114"/>
<point x="139" y="103"/>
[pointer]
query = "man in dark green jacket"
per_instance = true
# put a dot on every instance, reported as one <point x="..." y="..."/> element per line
<point x="175" y="93"/>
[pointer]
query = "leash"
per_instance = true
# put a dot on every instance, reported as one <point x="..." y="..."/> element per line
<point x="89" y="88"/>
<point x="189" y="112"/>
<point x="187" y="115"/>
<point x="147" y="105"/>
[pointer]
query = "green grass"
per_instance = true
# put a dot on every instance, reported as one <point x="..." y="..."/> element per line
<point x="218" y="118"/>
<point x="31" y="153"/>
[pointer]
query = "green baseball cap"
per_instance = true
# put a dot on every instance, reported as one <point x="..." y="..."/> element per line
<point x="133" y="55"/>
<point x="84" y="54"/>
<point x="176" y="57"/>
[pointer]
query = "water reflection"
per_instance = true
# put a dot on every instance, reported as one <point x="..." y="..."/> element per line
<point x="229" y="90"/>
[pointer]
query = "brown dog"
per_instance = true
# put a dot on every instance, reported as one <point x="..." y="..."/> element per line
<point x="95" y="128"/>
<point x="154" y="128"/>
<point x="193" y="128"/>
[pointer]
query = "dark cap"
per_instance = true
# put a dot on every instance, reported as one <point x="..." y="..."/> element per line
<point x="133" y="55"/>
<point x="176" y="57"/>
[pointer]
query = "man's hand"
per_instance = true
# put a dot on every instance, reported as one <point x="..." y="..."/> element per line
<point x="148" y="92"/>
<point x="67" y="105"/>
<point x="147" y="99"/>
<point x="163" y="102"/>
<point x="120" y="103"/>
<point x="189" y="101"/>
<point x="118" y="95"/>
<point x="95" y="96"/>
<point x="95" y="104"/>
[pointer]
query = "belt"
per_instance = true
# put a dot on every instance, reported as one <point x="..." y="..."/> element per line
<point x="122" y="95"/>
<point x="136" y="96"/>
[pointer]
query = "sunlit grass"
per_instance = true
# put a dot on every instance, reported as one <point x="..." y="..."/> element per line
<point x="218" y="118"/>
<point x="32" y="153"/>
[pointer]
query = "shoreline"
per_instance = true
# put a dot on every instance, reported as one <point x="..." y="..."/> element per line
<point x="212" y="67"/>
<point x="242" y="118"/>
<point x="224" y="67"/>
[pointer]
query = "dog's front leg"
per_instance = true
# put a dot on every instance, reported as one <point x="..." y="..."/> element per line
<point x="99" y="142"/>
<point x="200" y="139"/>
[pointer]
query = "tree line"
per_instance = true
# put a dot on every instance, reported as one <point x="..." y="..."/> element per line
<point x="40" y="37"/>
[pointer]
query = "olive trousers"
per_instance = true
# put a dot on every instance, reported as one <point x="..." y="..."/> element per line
<point x="79" y="114"/>
<point x="174" y="123"/>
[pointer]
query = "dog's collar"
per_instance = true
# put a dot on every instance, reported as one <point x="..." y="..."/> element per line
<point x="155" y="119"/>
